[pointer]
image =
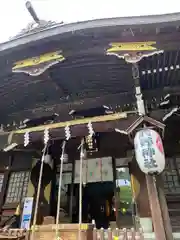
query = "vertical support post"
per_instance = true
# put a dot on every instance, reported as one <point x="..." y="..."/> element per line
<point x="59" y="189"/>
<point x="150" y="180"/>
<point x="72" y="189"/>
<point x="80" y="186"/>
<point x="164" y="208"/>
<point x="52" y="192"/>
<point x="6" y="177"/>
<point x="155" y="208"/>
<point x="116" y="194"/>
<point x="38" y="192"/>
<point x="142" y="210"/>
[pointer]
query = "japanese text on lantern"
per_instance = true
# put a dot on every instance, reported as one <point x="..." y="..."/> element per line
<point x="147" y="149"/>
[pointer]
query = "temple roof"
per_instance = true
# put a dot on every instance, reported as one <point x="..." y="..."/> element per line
<point x="88" y="77"/>
<point x="50" y="31"/>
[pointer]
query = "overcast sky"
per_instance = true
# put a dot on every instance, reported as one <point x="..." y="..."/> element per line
<point x="14" y="16"/>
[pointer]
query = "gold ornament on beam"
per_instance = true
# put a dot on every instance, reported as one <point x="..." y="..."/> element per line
<point x="37" y="65"/>
<point x="133" y="52"/>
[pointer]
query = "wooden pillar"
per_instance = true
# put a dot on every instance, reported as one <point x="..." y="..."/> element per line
<point x="6" y="170"/>
<point x="147" y="200"/>
<point x="164" y="208"/>
<point x="138" y="184"/>
<point x="155" y="208"/>
<point x="116" y="193"/>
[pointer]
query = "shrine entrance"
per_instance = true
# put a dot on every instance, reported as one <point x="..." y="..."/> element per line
<point x="99" y="193"/>
<point x="97" y="203"/>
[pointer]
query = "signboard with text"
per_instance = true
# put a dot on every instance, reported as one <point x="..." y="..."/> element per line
<point x="27" y="213"/>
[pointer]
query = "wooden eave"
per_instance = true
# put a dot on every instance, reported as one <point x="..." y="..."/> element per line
<point x="155" y="21"/>
<point x="159" y="28"/>
<point x="88" y="77"/>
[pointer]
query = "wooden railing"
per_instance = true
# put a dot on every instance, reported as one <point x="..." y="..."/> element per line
<point x="13" y="234"/>
<point x="117" y="234"/>
<point x="102" y="234"/>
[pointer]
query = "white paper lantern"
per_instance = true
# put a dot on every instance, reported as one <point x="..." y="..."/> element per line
<point x="149" y="151"/>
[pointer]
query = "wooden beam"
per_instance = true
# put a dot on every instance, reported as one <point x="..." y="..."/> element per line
<point x="111" y="117"/>
<point x="76" y="131"/>
<point x="63" y="109"/>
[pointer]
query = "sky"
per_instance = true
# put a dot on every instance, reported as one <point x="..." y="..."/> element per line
<point x="14" y="16"/>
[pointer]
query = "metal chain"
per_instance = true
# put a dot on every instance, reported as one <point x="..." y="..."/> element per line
<point x="135" y="71"/>
<point x="139" y="100"/>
